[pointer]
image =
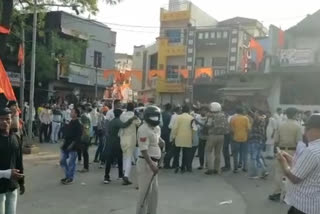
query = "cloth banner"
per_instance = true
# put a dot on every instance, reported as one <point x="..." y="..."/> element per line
<point x="5" y="84"/>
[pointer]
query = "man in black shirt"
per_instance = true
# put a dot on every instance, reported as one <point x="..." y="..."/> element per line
<point x="70" y="147"/>
<point x="113" y="146"/>
<point x="11" y="165"/>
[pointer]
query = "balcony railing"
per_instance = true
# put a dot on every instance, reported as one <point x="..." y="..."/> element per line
<point x="86" y="75"/>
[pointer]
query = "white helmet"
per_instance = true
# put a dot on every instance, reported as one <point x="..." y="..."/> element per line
<point x="215" y="107"/>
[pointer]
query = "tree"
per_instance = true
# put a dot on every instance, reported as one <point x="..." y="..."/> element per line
<point x="7" y="6"/>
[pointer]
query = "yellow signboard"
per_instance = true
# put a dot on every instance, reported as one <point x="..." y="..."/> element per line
<point x="168" y="87"/>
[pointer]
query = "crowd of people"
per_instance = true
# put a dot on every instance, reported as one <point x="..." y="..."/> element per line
<point x="133" y="134"/>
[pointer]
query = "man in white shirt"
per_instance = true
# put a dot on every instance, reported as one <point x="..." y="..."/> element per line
<point x="45" y="119"/>
<point x="303" y="172"/>
<point x="110" y="114"/>
<point x="94" y="122"/>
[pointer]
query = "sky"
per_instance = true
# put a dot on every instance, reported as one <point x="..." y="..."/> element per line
<point x="121" y="17"/>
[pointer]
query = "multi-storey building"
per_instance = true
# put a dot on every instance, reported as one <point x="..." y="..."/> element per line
<point x="99" y="54"/>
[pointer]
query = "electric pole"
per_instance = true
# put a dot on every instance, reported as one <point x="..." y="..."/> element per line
<point x="96" y="89"/>
<point x="33" y="68"/>
<point x="22" y="74"/>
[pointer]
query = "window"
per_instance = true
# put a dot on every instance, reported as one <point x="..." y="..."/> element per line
<point x="234" y="32"/>
<point x="190" y="42"/>
<point x="232" y="68"/>
<point x="212" y="62"/>
<point x="206" y="35"/>
<point x="213" y="35"/>
<point x="232" y="59"/>
<point x="225" y="34"/>
<point x="189" y="59"/>
<point x="200" y="36"/>
<point x="218" y="35"/>
<point x="97" y="59"/>
<point x="190" y="50"/>
<point x="233" y="50"/>
<point x="191" y="33"/>
<point x="189" y="68"/>
<point x="199" y="62"/>
<point x="172" y="72"/>
<point x="174" y="36"/>
<point x="234" y="40"/>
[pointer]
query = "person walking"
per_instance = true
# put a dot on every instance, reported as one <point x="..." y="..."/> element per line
<point x="11" y="165"/>
<point x="240" y="127"/>
<point x="303" y="172"/>
<point x="170" y="151"/>
<point x="85" y="138"/>
<point x="94" y="114"/>
<point x="56" y="123"/>
<point x="113" y="145"/>
<point x="147" y="166"/>
<point x="201" y="120"/>
<point x="256" y="144"/>
<point x="287" y="138"/>
<point x="182" y="135"/>
<point x="102" y="139"/>
<point x="72" y="142"/>
<point x="165" y="134"/>
<point x="45" y="120"/>
<point x="217" y="127"/>
<point x="270" y="135"/>
<point x="128" y="141"/>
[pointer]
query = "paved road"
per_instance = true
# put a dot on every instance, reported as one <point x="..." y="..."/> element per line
<point x="187" y="193"/>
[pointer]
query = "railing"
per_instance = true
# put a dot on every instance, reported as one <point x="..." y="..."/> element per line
<point x="86" y="75"/>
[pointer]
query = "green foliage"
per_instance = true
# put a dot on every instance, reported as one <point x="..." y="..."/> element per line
<point x="45" y="66"/>
<point x="72" y="49"/>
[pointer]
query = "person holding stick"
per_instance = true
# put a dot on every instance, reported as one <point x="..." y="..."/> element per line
<point x="147" y="166"/>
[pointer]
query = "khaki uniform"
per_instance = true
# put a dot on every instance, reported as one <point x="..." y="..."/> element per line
<point x="148" y="140"/>
<point x="287" y="138"/>
<point x="218" y="127"/>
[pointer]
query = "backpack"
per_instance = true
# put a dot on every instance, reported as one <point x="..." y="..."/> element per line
<point x="220" y="124"/>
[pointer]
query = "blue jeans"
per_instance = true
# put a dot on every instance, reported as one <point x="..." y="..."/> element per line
<point x="8" y="202"/>
<point x="256" y="159"/>
<point x="99" y="156"/>
<point x="68" y="162"/>
<point x="240" y="149"/>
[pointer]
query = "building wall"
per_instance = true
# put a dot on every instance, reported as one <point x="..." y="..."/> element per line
<point x="137" y="58"/>
<point x="100" y="38"/>
<point x="208" y="54"/>
<point x="201" y="18"/>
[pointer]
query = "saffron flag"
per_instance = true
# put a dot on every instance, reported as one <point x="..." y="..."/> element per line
<point x="20" y="55"/>
<point x="201" y="71"/>
<point x="281" y="38"/>
<point x="156" y="73"/>
<point x="4" y="30"/>
<point x="254" y="45"/>
<point x="5" y="85"/>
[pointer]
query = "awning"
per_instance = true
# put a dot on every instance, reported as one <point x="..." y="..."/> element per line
<point x="240" y="91"/>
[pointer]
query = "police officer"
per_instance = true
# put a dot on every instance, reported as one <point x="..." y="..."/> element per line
<point x="147" y="166"/>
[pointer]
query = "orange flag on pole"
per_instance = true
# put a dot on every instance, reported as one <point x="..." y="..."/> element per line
<point x="20" y="55"/>
<point x="4" y="30"/>
<point x="5" y="85"/>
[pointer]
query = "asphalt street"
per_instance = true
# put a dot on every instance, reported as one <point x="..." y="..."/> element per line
<point x="189" y="193"/>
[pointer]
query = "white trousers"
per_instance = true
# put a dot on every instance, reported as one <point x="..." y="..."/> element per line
<point x="8" y="202"/>
<point x="55" y="132"/>
<point x="145" y="174"/>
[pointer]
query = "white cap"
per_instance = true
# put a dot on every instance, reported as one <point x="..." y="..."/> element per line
<point x="215" y="107"/>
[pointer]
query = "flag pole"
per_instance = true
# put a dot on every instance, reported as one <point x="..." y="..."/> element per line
<point x="22" y="72"/>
